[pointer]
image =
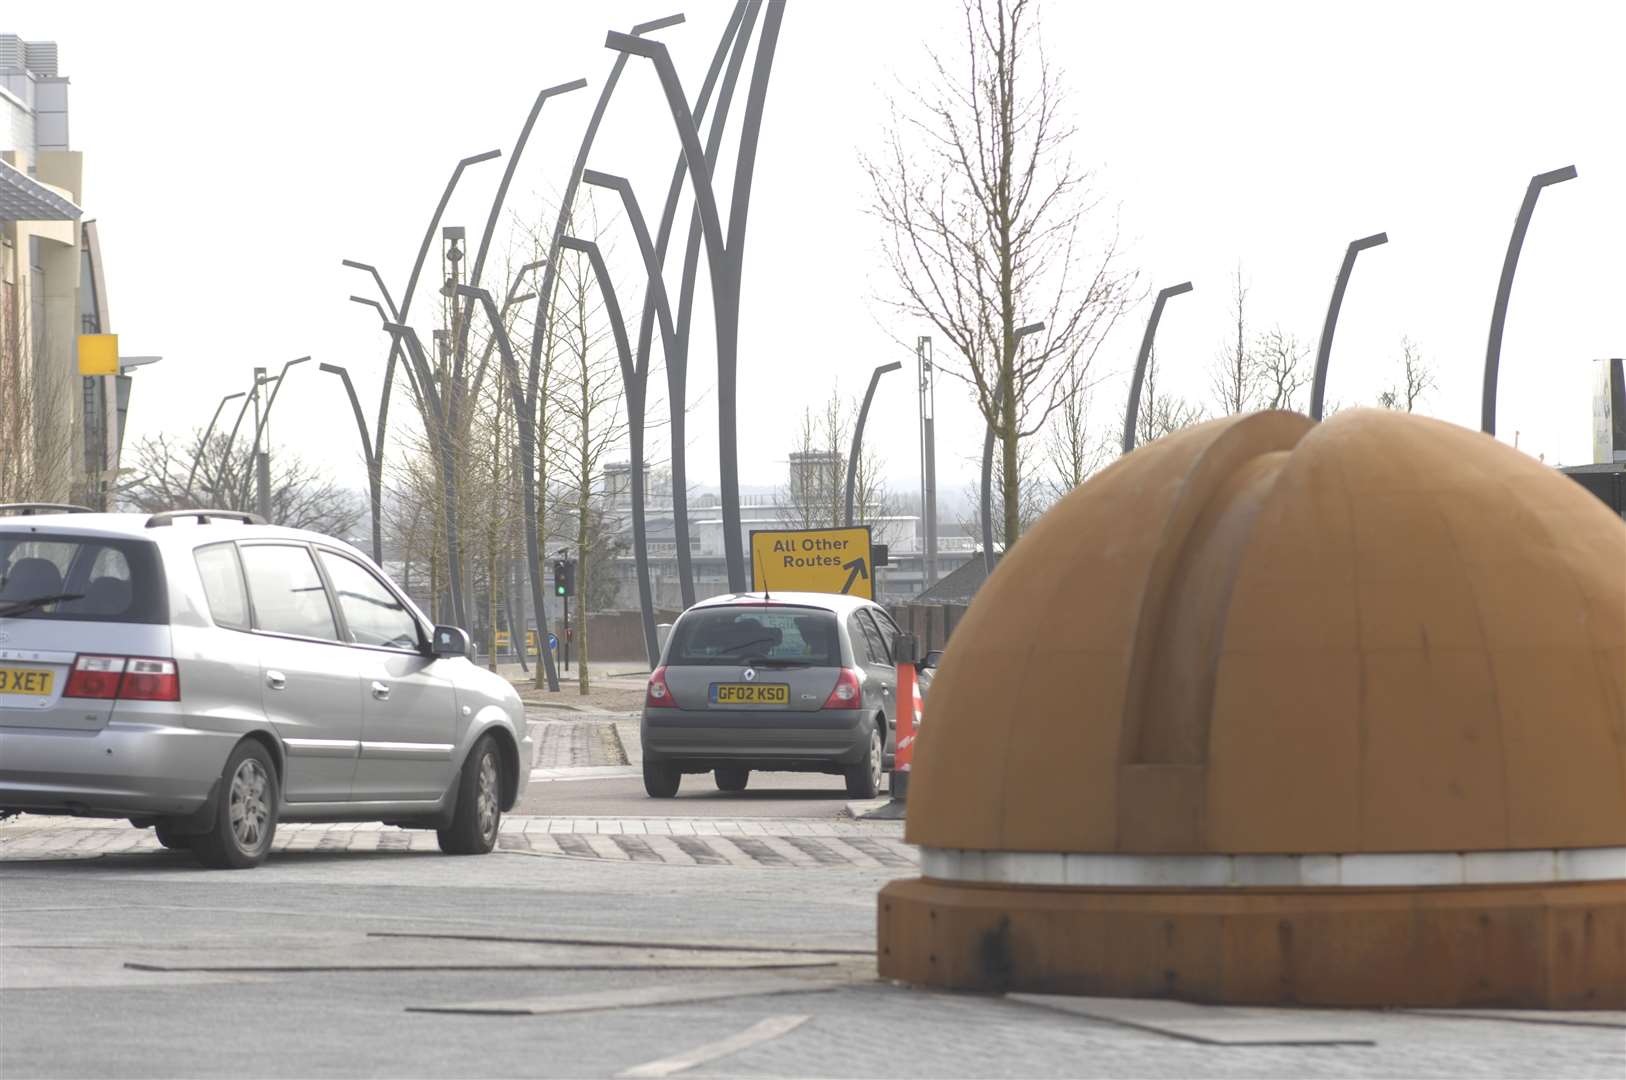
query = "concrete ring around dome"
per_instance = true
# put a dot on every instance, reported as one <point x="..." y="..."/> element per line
<point x="1278" y="711"/>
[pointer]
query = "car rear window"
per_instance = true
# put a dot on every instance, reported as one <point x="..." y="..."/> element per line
<point x="726" y="635"/>
<point x="98" y="579"/>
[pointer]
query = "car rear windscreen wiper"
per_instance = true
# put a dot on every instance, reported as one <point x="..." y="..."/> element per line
<point x="17" y="607"/>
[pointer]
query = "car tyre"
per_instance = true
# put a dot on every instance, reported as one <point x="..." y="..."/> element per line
<point x="731" y="777"/>
<point x="477" y="806"/>
<point x="245" y="819"/>
<point x="661" y="780"/>
<point x="171" y="839"/>
<point x="864" y="779"/>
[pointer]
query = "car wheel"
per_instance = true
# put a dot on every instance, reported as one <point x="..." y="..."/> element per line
<point x="245" y="812"/>
<point x="661" y="780"/>
<point x="731" y="778"/>
<point x="171" y="839"/>
<point x="477" y="813"/>
<point x="864" y="779"/>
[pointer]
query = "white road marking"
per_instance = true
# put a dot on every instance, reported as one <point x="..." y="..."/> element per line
<point x="771" y="1028"/>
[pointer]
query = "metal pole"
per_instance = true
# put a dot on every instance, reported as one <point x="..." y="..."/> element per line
<point x="1132" y="412"/>
<point x="732" y="47"/>
<point x="262" y="447"/>
<point x="262" y="477"/>
<point x="375" y="495"/>
<point x="635" y="381"/>
<point x="203" y="448"/>
<point x="858" y="433"/>
<point x="928" y="454"/>
<point x="1515" y="243"/>
<point x="988" y="453"/>
<point x="448" y="463"/>
<point x="528" y="488"/>
<point x="1323" y="352"/>
<point x="726" y="258"/>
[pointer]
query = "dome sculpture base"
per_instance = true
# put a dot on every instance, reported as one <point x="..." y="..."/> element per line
<point x="1548" y="946"/>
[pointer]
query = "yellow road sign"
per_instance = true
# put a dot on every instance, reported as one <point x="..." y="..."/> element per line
<point x="813" y="560"/>
<point x="98" y="354"/>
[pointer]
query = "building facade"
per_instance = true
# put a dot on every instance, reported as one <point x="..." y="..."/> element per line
<point x="59" y="432"/>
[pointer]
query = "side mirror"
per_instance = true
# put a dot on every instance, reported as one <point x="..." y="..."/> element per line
<point x="449" y="641"/>
<point x="932" y="659"/>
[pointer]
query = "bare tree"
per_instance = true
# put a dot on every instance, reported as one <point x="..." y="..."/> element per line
<point x="1161" y="414"/>
<point x="301" y="497"/>
<point x="587" y="403"/>
<point x="1235" y="373"/>
<point x="1072" y="450"/>
<point x="1282" y="373"/>
<point x="1416" y="379"/>
<point x="815" y="495"/>
<point x="39" y="432"/>
<point x="983" y="217"/>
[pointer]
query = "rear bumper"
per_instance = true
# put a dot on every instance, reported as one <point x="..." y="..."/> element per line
<point x="700" y="739"/>
<point x="123" y="769"/>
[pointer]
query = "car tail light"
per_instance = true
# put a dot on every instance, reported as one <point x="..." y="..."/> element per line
<point x="148" y="679"/>
<point x="95" y="677"/>
<point x="848" y="693"/>
<point x="124" y="678"/>
<point x="659" y="695"/>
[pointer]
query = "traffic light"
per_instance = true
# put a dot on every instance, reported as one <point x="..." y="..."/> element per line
<point x="564" y="577"/>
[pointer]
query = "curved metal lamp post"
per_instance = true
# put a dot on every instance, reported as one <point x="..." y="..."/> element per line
<point x="207" y="432"/>
<point x="1323" y="352"/>
<point x="1515" y="243"/>
<point x="732" y="47"/>
<point x="725" y="258"/>
<point x="374" y="489"/>
<point x="636" y="380"/>
<point x="988" y="458"/>
<point x="1132" y="412"/>
<point x="527" y="451"/>
<point x="858" y="433"/>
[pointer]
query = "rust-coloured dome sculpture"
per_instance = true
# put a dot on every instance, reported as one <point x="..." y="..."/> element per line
<point x="1273" y="710"/>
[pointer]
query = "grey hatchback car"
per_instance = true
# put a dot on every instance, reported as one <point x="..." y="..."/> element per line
<point x="793" y="682"/>
<point x="207" y="675"/>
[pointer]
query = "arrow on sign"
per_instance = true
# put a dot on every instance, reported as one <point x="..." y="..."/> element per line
<point x="859" y="570"/>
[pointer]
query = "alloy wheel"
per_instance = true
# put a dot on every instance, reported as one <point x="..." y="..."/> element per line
<point x="250" y="806"/>
<point x="487" y="797"/>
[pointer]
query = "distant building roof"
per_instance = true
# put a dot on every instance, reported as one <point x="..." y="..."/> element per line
<point x="958" y="586"/>
<point x="22" y="198"/>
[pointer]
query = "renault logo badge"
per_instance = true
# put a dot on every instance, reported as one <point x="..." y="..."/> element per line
<point x="750" y="674"/>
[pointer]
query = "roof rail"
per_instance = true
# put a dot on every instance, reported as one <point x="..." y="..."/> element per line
<point x="169" y="517"/>
<point x="30" y="509"/>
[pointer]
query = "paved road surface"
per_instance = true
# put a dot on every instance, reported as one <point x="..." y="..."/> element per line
<point x="769" y="795"/>
<point x="118" y="962"/>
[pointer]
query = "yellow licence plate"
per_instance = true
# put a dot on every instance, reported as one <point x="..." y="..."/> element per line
<point x="750" y="694"/>
<point x="26" y="681"/>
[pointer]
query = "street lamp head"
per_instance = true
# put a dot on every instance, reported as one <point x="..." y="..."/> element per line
<point x="354" y="265"/>
<point x="1030" y="328"/>
<point x="894" y="366"/>
<point x="332" y="369"/>
<point x="1370" y="241"/>
<point x="1557" y="176"/>
<point x="658" y="24"/>
<point x="1176" y="290"/>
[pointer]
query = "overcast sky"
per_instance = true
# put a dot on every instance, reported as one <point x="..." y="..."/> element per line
<point x="234" y="154"/>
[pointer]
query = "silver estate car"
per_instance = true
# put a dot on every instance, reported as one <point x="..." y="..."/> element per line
<point x="796" y="682"/>
<point x="207" y="675"/>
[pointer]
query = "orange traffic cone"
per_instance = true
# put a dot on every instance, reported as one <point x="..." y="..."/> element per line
<point x="908" y="723"/>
